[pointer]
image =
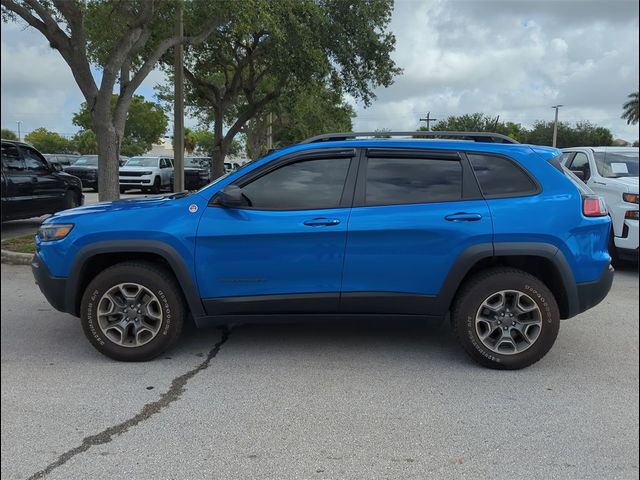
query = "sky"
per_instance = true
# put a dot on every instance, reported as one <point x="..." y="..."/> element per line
<point x="513" y="58"/>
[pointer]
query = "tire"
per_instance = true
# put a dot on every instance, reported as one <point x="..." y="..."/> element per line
<point x="145" y="338"/>
<point x="71" y="199"/>
<point x="156" y="185"/>
<point x="487" y="288"/>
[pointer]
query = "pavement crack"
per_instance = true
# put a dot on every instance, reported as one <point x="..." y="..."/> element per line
<point x="173" y="394"/>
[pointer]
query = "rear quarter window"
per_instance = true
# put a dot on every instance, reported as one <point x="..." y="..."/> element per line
<point x="501" y="177"/>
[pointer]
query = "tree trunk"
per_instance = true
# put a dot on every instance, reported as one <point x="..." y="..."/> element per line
<point x="219" y="150"/>
<point x="108" y="162"/>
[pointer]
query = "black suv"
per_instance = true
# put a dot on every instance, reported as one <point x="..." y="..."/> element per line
<point x="86" y="169"/>
<point x="31" y="186"/>
<point x="196" y="173"/>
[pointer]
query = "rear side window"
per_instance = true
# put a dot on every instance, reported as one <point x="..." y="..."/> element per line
<point x="304" y="185"/>
<point x="501" y="177"/>
<point x="396" y="181"/>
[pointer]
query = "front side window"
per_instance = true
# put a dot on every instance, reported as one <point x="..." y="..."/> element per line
<point x="580" y="163"/>
<point x="396" y="181"/>
<point x="33" y="160"/>
<point x="500" y="177"/>
<point x="11" y="159"/>
<point x="303" y="185"/>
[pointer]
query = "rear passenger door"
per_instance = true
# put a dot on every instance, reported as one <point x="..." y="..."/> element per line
<point x="48" y="188"/>
<point x="414" y="213"/>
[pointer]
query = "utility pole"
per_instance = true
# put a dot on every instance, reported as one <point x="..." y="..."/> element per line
<point x="555" y="125"/>
<point x="269" y="132"/>
<point x="178" y="108"/>
<point x="428" y="119"/>
<point x="19" y="122"/>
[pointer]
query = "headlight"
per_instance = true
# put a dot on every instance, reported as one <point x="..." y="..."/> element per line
<point x="54" y="231"/>
<point x="630" y="197"/>
<point x="147" y="173"/>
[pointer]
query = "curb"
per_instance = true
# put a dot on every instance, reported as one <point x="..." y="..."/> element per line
<point x="15" y="258"/>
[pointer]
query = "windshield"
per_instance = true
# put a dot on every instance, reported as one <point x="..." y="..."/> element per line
<point x="87" y="160"/>
<point x="617" y="164"/>
<point x="197" y="162"/>
<point x="142" y="162"/>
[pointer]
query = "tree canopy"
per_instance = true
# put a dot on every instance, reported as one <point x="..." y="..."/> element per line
<point x="8" y="134"/>
<point x="47" y="141"/>
<point x="145" y="124"/>
<point x="631" y="109"/>
<point x="268" y="49"/>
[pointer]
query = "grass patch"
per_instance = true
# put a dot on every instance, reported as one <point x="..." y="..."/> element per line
<point x="23" y="244"/>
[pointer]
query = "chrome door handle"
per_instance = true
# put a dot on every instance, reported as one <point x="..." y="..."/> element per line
<point x="463" y="217"/>
<point x="319" y="222"/>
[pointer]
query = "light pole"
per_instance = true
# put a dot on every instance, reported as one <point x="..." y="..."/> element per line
<point x="19" y="122"/>
<point x="555" y="125"/>
<point x="428" y="119"/>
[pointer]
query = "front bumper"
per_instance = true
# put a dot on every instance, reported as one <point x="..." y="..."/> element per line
<point x="591" y="294"/>
<point x="136" y="182"/>
<point x="629" y="239"/>
<point x="53" y="288"/>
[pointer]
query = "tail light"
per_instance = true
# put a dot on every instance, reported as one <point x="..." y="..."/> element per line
<point x="593" y="206"/>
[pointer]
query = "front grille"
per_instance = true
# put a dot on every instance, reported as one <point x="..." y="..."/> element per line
<point x="132" y="174"/>
<point x="134" y="181"/>
<point x="81" y="173"/>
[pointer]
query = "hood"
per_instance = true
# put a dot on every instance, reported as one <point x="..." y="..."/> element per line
<point x="80" y="167"/>
<point x="135" y="169"/>
<point x="152" y="201"/>
<point x="628" y="183"/>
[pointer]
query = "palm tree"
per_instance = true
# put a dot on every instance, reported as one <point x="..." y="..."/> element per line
<point x="631" y="109"/>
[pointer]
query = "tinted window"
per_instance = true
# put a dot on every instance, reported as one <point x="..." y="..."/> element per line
<point x="617" y="164"/>
<point x="142" y="162"/>
<point x="11" y="159"/>
<point x="580" y="163"/>
<point x="33" y="160"/>
<point x="304" y="185"/>
<point x="87" y="160"/>
<point x="499" y="176"/>
<point x="566" y="156"/>
<point x="393" y="181"/>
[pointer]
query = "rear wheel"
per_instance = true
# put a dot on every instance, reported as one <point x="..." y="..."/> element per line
<point x="506" y="318"/>
<point x="133" y="311"/>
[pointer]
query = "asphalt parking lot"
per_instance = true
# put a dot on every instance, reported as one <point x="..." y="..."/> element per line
<point x="319" y="401"/>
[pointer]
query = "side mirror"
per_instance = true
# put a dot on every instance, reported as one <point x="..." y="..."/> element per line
<point x="56" y="167"/>
<point x="579" y="174"/>
<point x="231" y="196"/>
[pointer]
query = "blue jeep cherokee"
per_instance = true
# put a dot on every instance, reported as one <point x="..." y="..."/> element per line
<point x="495" y="234"/>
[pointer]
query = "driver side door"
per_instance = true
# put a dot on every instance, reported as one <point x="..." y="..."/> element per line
<point x="283" y="251"/>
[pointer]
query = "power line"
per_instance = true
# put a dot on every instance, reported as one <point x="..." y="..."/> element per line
<point x="428" y="119"/>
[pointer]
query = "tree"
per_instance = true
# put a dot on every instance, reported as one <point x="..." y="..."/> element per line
<point x="8" y="134"/>
<point x="479" y="122"/>
<point x="582" y="134"/>
<point x="267" y="49"/>
<point x="85" y="142"/>
<point x="125" y="40"/>
<point x="46" y="141"/>
<point x="631" y="109"/>
<point x="299" y="115"/>
<point x="145" y="123"/>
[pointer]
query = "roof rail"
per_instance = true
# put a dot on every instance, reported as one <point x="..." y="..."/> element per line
<point x="474" y="136"/>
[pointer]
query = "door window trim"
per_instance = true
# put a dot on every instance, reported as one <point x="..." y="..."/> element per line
<point x="346" y="199"/>
<point x="470" y="189"/>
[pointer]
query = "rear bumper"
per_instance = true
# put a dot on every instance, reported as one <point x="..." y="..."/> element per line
<point x="591" y="294"/>
<point x="629" y="240"/>
<point x="53" y="288"/>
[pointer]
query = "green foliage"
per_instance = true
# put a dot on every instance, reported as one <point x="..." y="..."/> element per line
<point x="85" y="142"/>
<point x="631" y="109"/>
<point x="8" y="134"/>
<point x="146" y="123"/>
<point x="580" y="134"/>
<point x="46" y="141"/>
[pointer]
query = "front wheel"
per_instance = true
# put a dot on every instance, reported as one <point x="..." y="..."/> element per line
<point x="132" y="311"/>
<point x="156" y="185"/>
<point x="505" y="318"/>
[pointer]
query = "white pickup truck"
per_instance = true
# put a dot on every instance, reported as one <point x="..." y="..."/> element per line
<point x="146" y="173"/>
<point x="612" y="172"/>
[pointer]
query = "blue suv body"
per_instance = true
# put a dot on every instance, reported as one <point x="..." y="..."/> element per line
<point x="498" y="235"/>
